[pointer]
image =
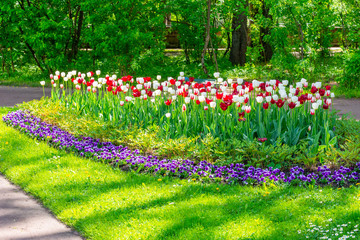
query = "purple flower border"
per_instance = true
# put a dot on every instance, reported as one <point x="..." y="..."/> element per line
<point x="119" y="155"/>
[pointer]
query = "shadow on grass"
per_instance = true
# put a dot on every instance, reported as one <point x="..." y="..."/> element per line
<point x="187" y="210"/>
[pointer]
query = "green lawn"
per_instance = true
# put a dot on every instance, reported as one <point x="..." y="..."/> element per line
<point x="106" y="203"/>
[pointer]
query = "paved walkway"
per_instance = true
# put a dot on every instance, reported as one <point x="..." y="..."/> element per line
<point x="22" y="217"/>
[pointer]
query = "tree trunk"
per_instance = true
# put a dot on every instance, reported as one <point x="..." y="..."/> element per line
<point x="239" y="39"/>
<point x="265" y="31"/>
<point x="207" y="38"/>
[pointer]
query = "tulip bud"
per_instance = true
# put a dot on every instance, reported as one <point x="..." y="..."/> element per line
<point x="61" y="86"/>
<point x="206" y="108"/>
<point x="312" y="111"/>
<point x="42" y="83"/>
<point x="122" y="103"/>
<point x="54" y="85"/>
<point x="183" y="107"/>
<point x="51" y="76"/>
<point x="89" y="89"/>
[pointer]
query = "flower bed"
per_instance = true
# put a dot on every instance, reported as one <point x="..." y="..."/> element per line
<point x="119" y="155"/>
<point x="273" y="112"/>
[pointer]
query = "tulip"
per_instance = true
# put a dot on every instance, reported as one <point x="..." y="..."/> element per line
<point x="220" y="80"/>
<point x="167" y="115"/>
<point x="315" y="106"/>
<point x="42" y="83"/>
<point x="57" y="73"/>
<point x="247" y="109"/>
<point x="122" y="103"/>
<point x="61" y="86"/>
<point x="259" y="99"/>
<point x="98" y="72"/>
<point x="213" y="104"/>
<point x="168" y="102"/>
<point x="266" y="105"/>
<point x="285" y="82"/>
<point x="312" y="111"/>
<point x="217" y="75"/>
<point x="206" y="108"/>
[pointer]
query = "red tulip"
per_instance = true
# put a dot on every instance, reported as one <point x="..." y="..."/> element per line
<point x="313" y="89"/>
<point x="223" y="106"/>
<point x="292" y="105"/>
<point x="265" y="105"/>
<point x="168" y="102"/>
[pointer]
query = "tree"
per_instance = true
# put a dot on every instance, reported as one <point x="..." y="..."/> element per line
<point x="239" y="35"/>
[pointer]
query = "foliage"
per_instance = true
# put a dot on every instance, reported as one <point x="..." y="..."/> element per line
<point x="352" y="71"/>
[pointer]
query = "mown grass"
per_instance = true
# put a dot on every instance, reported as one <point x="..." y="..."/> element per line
<point x="106" y="203"/>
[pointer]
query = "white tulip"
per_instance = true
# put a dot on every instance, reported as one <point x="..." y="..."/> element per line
<point x="217" y="75"/>
<point x="168" y="115"/>
<point x="42" y="83"/>
<point x="158" y="77"/>
<point x="182" y="74"/>
<point x="98" y="72"/>
<point x="285" y="82"/>
<point x="315" y="106"/>
<point x="259" y="99"/>
<point x="212" y="104"/>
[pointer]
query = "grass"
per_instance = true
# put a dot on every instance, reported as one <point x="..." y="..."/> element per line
<point x="106" y="203"/>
